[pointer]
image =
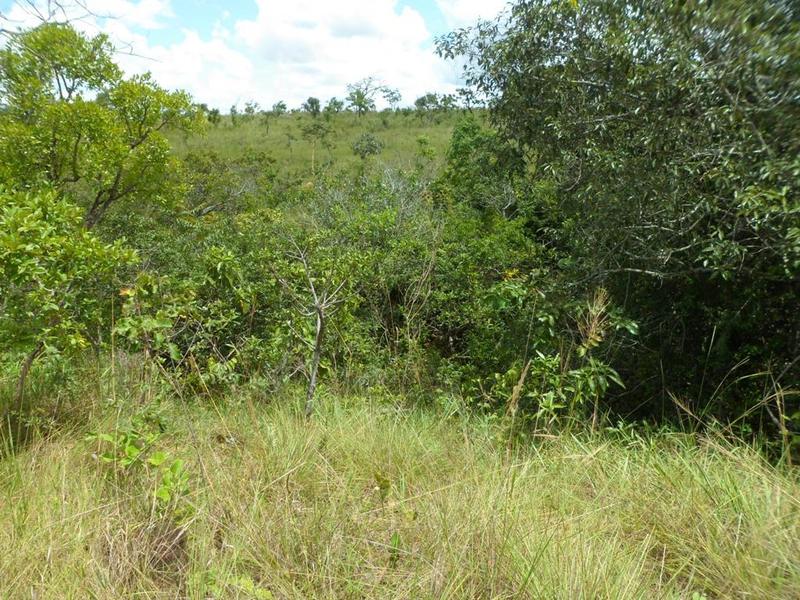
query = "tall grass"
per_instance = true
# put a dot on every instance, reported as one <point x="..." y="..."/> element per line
<point x="371" y="499"/>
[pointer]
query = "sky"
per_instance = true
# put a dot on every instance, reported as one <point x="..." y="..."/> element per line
<point x="227" y="52"/>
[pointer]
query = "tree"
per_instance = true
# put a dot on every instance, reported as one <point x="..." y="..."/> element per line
<point x="214" y="116"/>
<point x="665" y="138"/>
<point x="333" y="107"/>
<point x="251" y="110"/>
<point x="448" y="102"/>
<point x="360" y="102"/>
<point x="312" y="106"/>
<point x="266" y="118"/>
<point x="316" y="132"/>
<point x="325" y="299"/>
<point x="428" y="102"/>
<point x="73" y="123"/>
<point x="361" y="95"/>
<point x="476" y="175"/>
<point x="78" y="139"/>
<point x="49" y="11"/>
<point x="392" y="97"/>
<point x="279" y="108"/>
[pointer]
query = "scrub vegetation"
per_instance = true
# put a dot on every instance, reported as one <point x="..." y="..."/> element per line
<point x="539" y="339"/>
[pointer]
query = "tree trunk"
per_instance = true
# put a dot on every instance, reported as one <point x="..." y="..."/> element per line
<point x="315" y="359"/>
<point x="24" y="370"/>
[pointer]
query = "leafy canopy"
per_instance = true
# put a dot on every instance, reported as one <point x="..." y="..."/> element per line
<point x="71" y="122"/>
<point x="677" y="121"/>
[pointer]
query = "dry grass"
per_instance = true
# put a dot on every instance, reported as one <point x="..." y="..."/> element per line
<point x="374" y="501"/>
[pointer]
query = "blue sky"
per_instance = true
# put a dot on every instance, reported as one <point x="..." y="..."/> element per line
<point x="232" y="51"/>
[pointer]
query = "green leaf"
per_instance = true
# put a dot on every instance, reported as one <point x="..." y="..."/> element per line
<point x="157" y="458"/>
<point x="163" y="494"/>
<point x="132" y="452"/>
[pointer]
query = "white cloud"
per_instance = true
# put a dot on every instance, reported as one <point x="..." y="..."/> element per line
<point x="288" y="51"/>
<point x="147" y="14"/>
<point x="461" y="13"/>
<point x="211" y="70"/>
<point x="308" y="47"/>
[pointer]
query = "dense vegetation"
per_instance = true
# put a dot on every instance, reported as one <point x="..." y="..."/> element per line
<point x="667" y="136"/>
<point x="495" y="315"/>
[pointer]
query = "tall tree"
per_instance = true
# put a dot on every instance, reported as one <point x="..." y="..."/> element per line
<point x="392" y="97"/>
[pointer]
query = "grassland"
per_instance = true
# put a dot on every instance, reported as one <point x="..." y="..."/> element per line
<point x="283" y="140"/>
<point x="376" y="498"/>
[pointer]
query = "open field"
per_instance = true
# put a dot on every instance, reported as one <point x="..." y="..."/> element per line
<point x="284" y="140"/>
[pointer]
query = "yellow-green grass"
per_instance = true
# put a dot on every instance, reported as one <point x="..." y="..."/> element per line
<point x="292" y="152"/>
<point x="374" y="499"/>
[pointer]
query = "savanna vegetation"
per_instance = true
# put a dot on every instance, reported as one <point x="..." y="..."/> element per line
<point x="537" y="340"/>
